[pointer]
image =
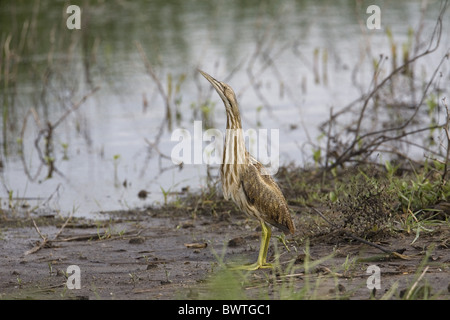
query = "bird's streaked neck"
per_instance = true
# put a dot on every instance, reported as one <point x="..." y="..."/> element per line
<point x="233" y="121"/>
<point x="234" y="151"/>
<point x="234" y="138"/>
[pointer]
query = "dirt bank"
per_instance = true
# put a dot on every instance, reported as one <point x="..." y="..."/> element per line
<point x="169" y="254"/>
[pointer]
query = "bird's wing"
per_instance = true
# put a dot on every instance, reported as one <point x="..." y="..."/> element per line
<point x="264" y="194"/>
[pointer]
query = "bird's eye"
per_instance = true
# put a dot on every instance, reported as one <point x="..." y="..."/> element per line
<point x="227" y="91"/>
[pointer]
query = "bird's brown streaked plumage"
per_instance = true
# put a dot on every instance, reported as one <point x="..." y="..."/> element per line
<point x="246" y="181"/>
<point x="266" y="196"/>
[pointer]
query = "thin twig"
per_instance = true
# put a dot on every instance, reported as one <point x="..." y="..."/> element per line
<point x="446" y="128"/>
<point x="41" y="244"/>
<point x="45" y="240"/>
<point x="47" y="132"/>
<point x="416" y="282"/>
<point x="153" y="75"/>
<point x="74" y="107"/>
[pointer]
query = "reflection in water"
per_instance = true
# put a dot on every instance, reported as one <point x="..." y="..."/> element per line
<point x="291" y="62"/>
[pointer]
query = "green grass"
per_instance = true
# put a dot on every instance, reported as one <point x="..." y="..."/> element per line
<point x="280" y="283"/>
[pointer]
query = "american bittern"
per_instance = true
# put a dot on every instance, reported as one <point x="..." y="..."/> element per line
<point x="246" y="181"/>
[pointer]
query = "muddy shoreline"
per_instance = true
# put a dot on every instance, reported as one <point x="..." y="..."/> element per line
<point x="168" y="254"/>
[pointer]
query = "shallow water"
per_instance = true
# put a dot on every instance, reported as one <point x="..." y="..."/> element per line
<point x="305" y="57"/>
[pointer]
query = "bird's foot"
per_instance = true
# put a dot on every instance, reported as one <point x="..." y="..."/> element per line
<point x="253" y="266"/>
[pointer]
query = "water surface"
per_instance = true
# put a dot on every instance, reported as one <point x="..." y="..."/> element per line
<point x="289" y="62"/>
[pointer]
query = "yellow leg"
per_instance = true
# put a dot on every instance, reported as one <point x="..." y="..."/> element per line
<point x="264" y="247"/>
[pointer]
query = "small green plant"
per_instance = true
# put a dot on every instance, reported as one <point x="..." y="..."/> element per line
<point x="10" y="199"/>
<point x="19" y="281"/>
<point x="258" y="116"/>
<point x="421" y="190"/>
<point x="317" y="156"/>
<point x="50" y="268"/>
<point x="167" y="274"/>
<point x="116" y="161"/>
<point x="65" y="147"/>
<point x="207" y="110"/>
<point x="106" y="234"/>
<point x="349" y="264"/>
<point x="134" y="278"/>
<point x="165" y="194"/>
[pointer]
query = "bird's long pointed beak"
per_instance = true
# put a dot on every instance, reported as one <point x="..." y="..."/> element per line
<point x="216" y="84"/>
<point x="207" y="76"/>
